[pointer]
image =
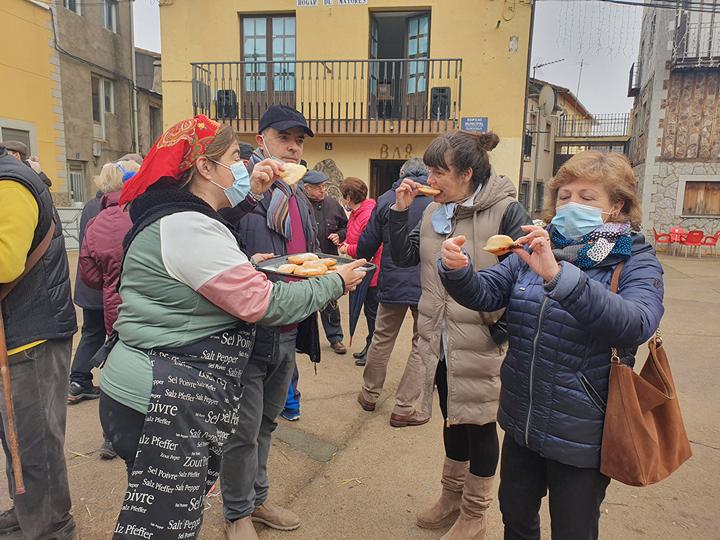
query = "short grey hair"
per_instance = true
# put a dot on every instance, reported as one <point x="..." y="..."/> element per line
<point x="413" y="167"/>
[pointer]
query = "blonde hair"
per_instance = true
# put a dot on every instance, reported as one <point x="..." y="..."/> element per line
<point x="612" y="171"/>
<point x="110" y="178"/>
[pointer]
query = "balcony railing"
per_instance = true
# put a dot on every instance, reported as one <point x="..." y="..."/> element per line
<point x="697" y="45"/>
<point x="600" y="125"/>
<point x="336" y="96"/>
<point x="634" y="80"/>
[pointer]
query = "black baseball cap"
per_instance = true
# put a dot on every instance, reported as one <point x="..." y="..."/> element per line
<point x="282" y="118"/>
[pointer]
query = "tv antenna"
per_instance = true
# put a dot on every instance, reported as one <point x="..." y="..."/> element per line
<point x="536" y="66"/>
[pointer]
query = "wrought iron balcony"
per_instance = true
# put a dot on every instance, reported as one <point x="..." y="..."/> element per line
<point x="336" y="96"/>
<point x="697" y="45"/>
<point x="600" y="125"/>
<point x="634" y="80"/>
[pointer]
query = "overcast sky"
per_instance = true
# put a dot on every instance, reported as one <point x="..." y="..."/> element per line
<point x="603" y="36"/>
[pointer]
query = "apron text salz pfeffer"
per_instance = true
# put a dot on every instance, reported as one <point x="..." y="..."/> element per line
<point x="193" y="410"/>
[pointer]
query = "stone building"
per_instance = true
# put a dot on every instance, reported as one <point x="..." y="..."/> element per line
<point x="675" y="147"/>
<point x="104" y="117"/>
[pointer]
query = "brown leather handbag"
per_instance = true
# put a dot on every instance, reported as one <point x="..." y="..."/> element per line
<point x="644" y="438"/>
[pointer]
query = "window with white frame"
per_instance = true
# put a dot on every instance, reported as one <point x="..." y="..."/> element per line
<point x="76" y="181"/>
<point x="73" y="5"/>
<point x="110" y="13"/>
<point x="103" y="102"/>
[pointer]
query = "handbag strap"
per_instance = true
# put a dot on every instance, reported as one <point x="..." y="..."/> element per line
<point x="614" y="285"/>
<point x="655" y="341"/>
<point x="615" y="279"/>
<point x="30" y="262"/>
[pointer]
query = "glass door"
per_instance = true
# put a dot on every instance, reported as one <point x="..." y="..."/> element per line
<point x="417" y="51"/>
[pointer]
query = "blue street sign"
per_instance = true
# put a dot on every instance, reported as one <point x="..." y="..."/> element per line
<point x="475" y="123"/>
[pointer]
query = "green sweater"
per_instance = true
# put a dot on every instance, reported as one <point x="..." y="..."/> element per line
<point x="184" y="279"/>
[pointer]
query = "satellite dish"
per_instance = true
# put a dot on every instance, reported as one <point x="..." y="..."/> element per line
<point x="546" y="101"/>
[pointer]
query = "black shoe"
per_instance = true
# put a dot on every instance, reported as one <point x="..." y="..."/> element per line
<point x="362" y="353"/>
<point x="361" y="361"/>
<point x="77" y="393"/>
<point x="8" y="521"/>
<point x="107" y="451"/>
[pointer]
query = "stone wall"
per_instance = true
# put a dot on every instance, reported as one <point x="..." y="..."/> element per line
<point x="690" y="128"/>
<point x="663" y="212"/>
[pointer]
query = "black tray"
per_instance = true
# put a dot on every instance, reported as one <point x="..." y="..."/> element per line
<point x="271" y="265"/>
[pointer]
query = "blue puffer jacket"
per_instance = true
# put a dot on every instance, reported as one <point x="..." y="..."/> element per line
<point x="395" y="285"/>
<point x="555" y="376"/>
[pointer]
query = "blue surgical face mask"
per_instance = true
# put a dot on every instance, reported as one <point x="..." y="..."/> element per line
<point x="573" y="220"/>
<point x="240" y="187"/>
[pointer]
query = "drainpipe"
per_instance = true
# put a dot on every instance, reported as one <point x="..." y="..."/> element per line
<point x="136" y="133"/>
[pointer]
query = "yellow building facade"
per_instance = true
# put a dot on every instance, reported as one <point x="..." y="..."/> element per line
<point x="377" y="79"/>
<point x="30" y="96"/>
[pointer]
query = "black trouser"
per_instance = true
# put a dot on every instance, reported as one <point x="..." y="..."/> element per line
<point x="370" y="308"/>
<point x="91" y="339"/>
<point x="39" y="379"/>
<point x="468" y="442"/>
<point x="122" y="426"/>
<point x="330" y="317"/>
<point x="575" y="495"/>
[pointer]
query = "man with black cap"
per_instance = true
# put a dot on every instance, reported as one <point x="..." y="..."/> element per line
<point x="331" y="222"/>
<point x="278" y="222"/>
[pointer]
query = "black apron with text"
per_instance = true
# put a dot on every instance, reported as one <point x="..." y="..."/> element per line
<point x="193" y="410"/>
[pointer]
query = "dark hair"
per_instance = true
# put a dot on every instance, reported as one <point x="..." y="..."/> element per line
<point x="224" y="139"/>
<point x="354" y="189"/>
<point x="463" y="150"/>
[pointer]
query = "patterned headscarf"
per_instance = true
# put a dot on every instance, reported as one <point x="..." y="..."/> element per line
<point x="172" y="155"/>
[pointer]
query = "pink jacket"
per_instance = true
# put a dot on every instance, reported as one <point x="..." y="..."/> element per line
<point x="102" y="252"/>
<point x="356" y="225"/>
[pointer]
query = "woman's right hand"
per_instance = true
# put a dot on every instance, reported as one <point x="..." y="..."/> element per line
<point x="351" y="276"/>
<point x="452" y="256"/>
<point x="405" y="194"/>
<point x="263" y="175"/>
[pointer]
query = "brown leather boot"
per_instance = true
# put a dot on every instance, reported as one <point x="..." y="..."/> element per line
<point x="276" y="517"/>
<point x="476" y="498"/>
<point x="447" y="508"/>
<point x="242" y="529"/>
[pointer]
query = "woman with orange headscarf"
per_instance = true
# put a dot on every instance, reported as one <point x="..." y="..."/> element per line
<point x="185" y="328"/>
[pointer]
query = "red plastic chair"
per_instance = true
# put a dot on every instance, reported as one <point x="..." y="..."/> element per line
<point x="676" y="235"/>
<point x="710" y="242"/>
<point x="693" y="240"/>
<point x="662" y="238"/>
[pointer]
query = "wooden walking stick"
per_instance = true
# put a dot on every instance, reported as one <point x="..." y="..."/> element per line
<point x="10" y="430"/>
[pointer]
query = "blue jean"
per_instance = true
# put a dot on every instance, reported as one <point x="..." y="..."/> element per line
<point x="292" y="403"/>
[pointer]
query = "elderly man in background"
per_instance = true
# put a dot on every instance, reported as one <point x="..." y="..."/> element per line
<point x="332" y="227"/>
<point x="19" y="151"/>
